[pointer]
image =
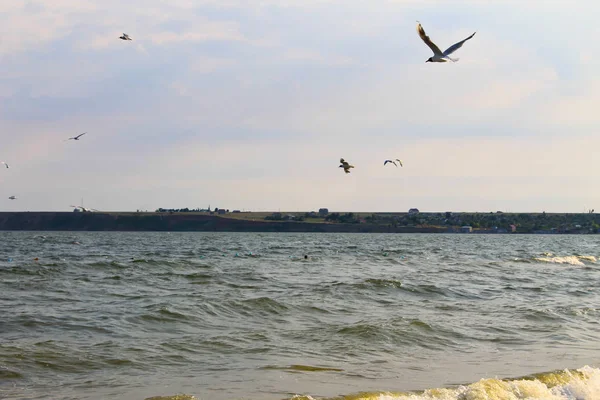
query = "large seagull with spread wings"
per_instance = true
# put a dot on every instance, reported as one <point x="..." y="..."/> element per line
<point x="438" y="55"/>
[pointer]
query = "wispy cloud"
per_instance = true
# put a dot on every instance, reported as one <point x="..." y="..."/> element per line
<point x="251" y="104"/>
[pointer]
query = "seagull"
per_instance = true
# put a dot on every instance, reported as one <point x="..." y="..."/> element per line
<point x="12" y="198"/>
<point x="125" y="37"/>
<point x="345" y="165"/>
<point x="438" y="56"/>
<point x="77" y="137"/>
<point x="5" y="164"/>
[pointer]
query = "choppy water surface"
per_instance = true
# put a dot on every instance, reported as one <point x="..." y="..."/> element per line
<point x="246" y="316"/>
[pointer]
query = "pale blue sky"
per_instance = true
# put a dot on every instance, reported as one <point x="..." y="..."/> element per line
<point x="249" y="104"/>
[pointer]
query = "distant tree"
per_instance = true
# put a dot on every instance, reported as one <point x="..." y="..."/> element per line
<point x="348" y="218"/>
<point x="333" y="217"/>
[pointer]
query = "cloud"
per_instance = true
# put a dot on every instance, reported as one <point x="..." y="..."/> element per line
<point x="251" y="104"/>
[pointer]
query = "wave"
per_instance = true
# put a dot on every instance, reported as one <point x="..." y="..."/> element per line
<point x="303" y="368"/>
<point x="163" y="314"/>
<point x="580" y="384"/>
<point x="391" y="283"/>
<point x="264" y="304"/>
<point x="570" y="260"/>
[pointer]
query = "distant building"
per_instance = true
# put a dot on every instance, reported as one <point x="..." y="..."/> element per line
<point x="236" y="211"/>
<point x="323" y="212"/>
<point x="221" y="211"/>
<point x="466" y="229"/>
<point x="413" y="211"/>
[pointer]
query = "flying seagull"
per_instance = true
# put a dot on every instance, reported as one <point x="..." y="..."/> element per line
<point x="438" y="56"/>
<point x="125" y="37"/>
<point x="345" y="165"/>
<point x="12" y="198"/>
<point x="395" y="162"/>
<point x="77" y="137"/>
<point x="5" y="164"/>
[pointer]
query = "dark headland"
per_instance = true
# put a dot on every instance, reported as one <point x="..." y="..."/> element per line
<point x="496" y="222"/>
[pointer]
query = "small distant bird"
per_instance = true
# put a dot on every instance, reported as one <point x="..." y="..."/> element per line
<point x="77" y="137"/>
<point x="395" y="162"/>
<point x="125" y="37"/>
<point x="438" y="56"/>
<point x="12" y="198"/>
<point x="5" y="164"/>
<point x="345" y="165"/>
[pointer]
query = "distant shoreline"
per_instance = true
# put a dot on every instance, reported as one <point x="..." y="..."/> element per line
<point x="249" y="222"/>
<point x="178" y="222"/>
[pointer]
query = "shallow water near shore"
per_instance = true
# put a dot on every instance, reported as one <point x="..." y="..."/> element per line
<point x="91" y="315"/>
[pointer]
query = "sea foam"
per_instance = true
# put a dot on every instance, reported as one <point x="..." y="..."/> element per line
<point x="580" y="384"/>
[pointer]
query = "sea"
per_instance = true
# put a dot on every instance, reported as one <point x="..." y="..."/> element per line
<point x="275" y="316"/>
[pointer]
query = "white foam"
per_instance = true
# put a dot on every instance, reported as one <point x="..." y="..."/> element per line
<point x="581" y="384"/>
<point x="570" y="260"/>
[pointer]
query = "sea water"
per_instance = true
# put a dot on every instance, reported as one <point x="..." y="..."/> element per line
<point x="247" y="316"/>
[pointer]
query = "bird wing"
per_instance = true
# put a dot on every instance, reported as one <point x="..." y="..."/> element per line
<point x="78" y="136"/>
<point x="399" y="162"/>
<point x="436" y="50"/>
<point x="386" y="161"/>
<point x="457" y="46"/>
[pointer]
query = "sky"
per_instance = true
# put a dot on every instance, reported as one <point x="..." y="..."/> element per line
<point x="249" y="104"/>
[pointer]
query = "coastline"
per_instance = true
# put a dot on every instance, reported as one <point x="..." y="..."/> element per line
<point x="255" y="222"/>
<point x="180" y="222"/>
